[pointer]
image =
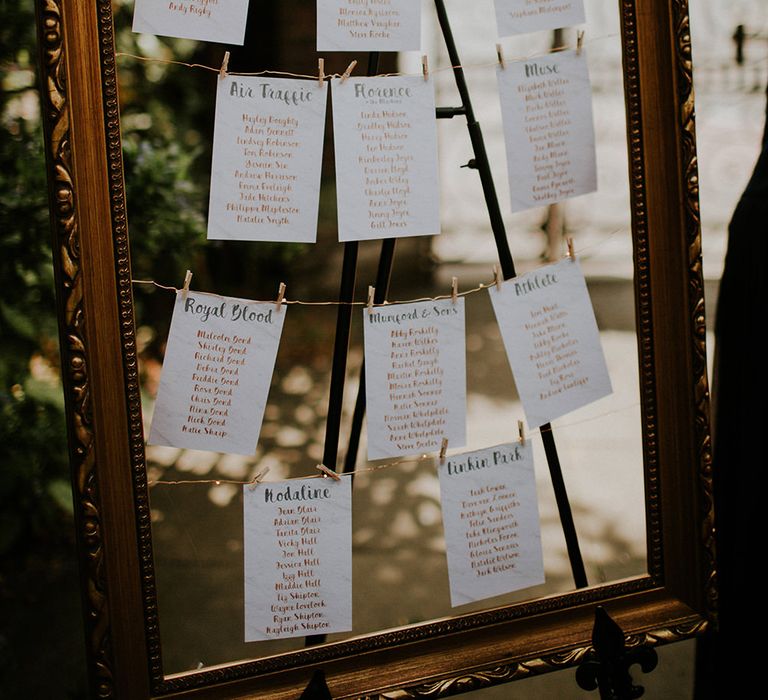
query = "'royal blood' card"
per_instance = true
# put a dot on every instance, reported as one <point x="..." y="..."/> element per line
<point x="415" y="377"/>
<point x="552" y="341"/>
<point x="298" y="558"/>
<point x="216" y="374"/>
<point x="491" y="522"/>
<point x="267" y="156"/>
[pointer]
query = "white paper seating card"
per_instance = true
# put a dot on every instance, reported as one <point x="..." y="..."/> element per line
<point x="217" y="370"/>
<point x="385" y="139"/>
<point x="298" y="558"/>
<point x="546" y="107"/>
<point x="522" y="16"/>
<point x="267" y="156"/>
<point x="204" y="20"/>
<point x="415" y="377"/>
<point x="552" y="341"/>
<point x="368" y="25"/>
<point x="491" y="522"/>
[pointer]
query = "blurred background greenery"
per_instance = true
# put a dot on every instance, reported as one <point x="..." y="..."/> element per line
<point x="33" y="493"/>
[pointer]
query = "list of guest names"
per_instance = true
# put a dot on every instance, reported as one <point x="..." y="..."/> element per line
<point x="415" y="377"/>
<point x="547" y="112"/>
<point x="386" y="158"/>
<point x="297" y="558"/>
<point x="266" y="159"/>
<point x="216" y="373"/>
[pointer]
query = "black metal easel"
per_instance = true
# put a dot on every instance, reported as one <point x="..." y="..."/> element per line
<point x="346" y="296"/>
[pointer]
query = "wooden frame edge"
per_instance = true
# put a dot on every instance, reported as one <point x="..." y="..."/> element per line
<point x="96" y="321"/>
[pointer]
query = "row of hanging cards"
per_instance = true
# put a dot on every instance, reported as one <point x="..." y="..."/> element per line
<point x="343" y="25"/>
<point x="298" y="542"/>
<point x="221" y="353"/>
<point x="268" y="141"/>
<point x="268" y="133"/>
<point x="267" y="155"/>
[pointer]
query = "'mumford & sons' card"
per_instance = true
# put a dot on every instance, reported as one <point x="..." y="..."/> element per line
<point x="415" y="377"/>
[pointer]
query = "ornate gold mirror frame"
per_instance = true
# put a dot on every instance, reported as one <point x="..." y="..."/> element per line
<point x="674" y="601"/>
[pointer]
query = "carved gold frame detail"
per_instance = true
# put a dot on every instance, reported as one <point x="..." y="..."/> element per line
<point x="675" y="600"/>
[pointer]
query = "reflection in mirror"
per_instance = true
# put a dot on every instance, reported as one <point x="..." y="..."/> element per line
<point x="399" y="567"/>
<point x="144" y="581"/>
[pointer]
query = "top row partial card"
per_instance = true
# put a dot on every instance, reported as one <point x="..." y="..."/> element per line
<point x="343" y="25"/>
<point x="524" y="16"/>
<point x="368" y="25"/>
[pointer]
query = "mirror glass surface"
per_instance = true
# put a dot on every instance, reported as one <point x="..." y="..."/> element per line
<point x="399" y="567"/>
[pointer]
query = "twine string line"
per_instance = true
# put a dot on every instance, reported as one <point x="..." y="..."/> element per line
<point x="373" y="468"/>
<point x="217" y="69"/>
<point x="466" y="292"/>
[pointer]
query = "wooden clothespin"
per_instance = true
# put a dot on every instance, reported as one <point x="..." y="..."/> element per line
<point x="571" y="252"/>
<point x="328" y="472"/>
<point x="371" y="292"/>
<point x="497" y="277"/>
<point x="425" y="66"/>
<point x="348" y="72"/>
<point x="224" y="65"/>
<point x="500" y="56"/>
<point x="320" y="71"/>
<point x="454" y="289"/>
<point x="280" y="296"/>
<point x="185" y="288"/>
<point x="443" y="450"/>
<point x="521" y="432"/>
<point x="579" y="41"/>
<point x="258" y="478"/>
